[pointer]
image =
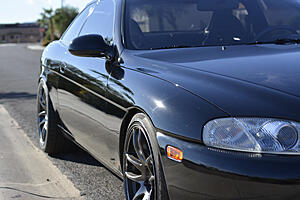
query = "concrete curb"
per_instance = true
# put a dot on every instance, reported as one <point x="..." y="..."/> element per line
<point x="26" y="172"/>
<point x="36" y="47"/>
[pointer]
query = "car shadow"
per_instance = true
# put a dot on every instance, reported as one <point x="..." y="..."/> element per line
<point x="77" y="155"/>
<point x="17" y="95"/>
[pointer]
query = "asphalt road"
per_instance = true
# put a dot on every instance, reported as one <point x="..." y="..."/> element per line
<point x="19" y="67"/>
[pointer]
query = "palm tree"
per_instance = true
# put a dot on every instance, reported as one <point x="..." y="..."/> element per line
<point x="63" y="17"/>
<point x="47" y="21"/>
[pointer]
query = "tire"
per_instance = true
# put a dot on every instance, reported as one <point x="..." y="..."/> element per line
<point x="142" y="170"/>
<point x="51" y="140"/>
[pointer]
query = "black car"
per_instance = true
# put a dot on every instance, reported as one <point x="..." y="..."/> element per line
<point x="183" y="99"/>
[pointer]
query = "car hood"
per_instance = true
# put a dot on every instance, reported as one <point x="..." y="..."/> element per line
<point x="272" y="66"/>
<point x="241" y="80"/>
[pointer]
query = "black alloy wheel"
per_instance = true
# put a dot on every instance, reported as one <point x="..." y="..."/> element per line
<point x="141" y="168"/>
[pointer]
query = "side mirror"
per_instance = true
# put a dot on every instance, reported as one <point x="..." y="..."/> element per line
<point x="91" y="46"/>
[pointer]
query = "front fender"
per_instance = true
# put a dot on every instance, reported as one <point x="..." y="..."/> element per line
<point x="170" y="107"/>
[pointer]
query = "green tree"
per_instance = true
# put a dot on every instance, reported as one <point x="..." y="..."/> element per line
<point x="63" y="18"/>
<point x="56" y="22"/>
<point x="47" y="21"/>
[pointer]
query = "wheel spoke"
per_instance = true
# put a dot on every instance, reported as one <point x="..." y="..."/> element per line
<point x="137" y="143"/>
<point x="140" y="193"/>
<point x="152" y="178"/>
<point x="135" y="162"/>
<point x="43" y="129"/>
<point x="149" y="165"/>
<point x="41" y="96"/>
<point x="149" y="162"/>
<point x="43" y="106"/>
<point x="42" y="113"/>
<point x="147" y="195"/>
<point x="45" y="125"/>
<point x="42" y="99"/>
<point x="42" y="122"/>
<point x="134" y="177"/>
<point x="44" y="132"/>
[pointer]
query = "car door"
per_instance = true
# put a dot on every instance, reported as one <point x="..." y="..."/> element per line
<point x="82" y="91"/>
<point x="71" y="33"/>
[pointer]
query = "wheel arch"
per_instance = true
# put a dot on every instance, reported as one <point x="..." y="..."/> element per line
<point x="124" y="126"/>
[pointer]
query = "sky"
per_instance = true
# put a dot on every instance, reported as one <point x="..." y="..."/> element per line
<point x="19" y="11"/>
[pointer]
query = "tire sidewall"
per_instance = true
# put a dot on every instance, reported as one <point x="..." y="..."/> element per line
<point x="149" y="130"/>
<point x="42" y="84"/>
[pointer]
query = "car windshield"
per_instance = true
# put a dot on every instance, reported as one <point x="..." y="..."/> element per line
<point x="159" y="24"/>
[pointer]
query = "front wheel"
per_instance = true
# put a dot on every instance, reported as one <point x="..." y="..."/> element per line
<point x="143" y="174"/>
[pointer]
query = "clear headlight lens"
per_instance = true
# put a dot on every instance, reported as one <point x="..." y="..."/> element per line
<point x="256" y="135"/>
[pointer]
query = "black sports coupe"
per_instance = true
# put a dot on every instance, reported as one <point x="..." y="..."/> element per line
<point x="183" y="99"/>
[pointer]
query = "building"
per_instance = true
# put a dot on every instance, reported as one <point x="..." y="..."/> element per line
<point x="20" y="33"/>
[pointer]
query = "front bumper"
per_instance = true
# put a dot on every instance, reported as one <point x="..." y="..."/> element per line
<point x="207" y="173"/>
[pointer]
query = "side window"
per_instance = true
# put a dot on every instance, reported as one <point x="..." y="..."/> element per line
<point x="73" y="30"/>
<point x="101" y="22"/>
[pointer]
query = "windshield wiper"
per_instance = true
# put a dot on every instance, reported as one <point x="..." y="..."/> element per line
<point x="174" y="47"/>
<point x="287" y="41"/>
<point x="279" y="41"/>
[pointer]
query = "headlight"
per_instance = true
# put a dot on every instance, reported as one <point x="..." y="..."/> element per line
<point x="253" y="135"/>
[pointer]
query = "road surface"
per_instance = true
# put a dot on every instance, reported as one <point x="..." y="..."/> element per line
<point x="19" y="67"/>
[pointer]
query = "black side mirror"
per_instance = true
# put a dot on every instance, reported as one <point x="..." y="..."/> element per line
<point x="91" y="46"/>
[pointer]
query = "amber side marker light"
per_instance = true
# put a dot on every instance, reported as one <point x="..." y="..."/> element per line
<point x="174" y="154"/>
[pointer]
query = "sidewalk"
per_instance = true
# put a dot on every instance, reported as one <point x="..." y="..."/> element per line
<point x="36" y="47"/>
<point x="25" y="172"/>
